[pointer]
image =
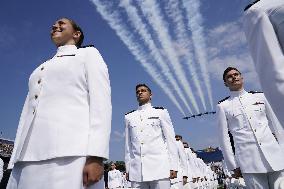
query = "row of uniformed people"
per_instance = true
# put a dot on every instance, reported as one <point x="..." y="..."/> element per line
<point x="154" y="157"/>
<point x="192" y="171"/>
<point x="231" y="182"/>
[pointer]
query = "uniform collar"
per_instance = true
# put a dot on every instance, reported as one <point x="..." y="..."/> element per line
<point x="238" y="93"/>
<point x="66" y="49"/>
<point x="145" y="106"/>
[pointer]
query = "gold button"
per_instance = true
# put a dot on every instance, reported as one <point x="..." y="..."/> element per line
<point x="39" y="81"/>
<point x="36" y="96"/>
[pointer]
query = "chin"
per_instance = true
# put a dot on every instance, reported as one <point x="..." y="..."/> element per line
<point x="58" y="44"/>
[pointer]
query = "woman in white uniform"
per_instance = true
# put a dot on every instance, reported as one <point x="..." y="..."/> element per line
<point x="63" y="133"/>
<point x="114" y="177"/>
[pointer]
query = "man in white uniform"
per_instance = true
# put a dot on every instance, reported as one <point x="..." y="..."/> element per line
<point x="182" y="173"/>
<point x="250" y="121"/>
<point x="114" y="177"/>
<point x="63" y="133"/>
<point x="150" y="146"/>
<point x="191" y="166"/>
<point x="196" y="174"/>
<point x="264" y="29"/>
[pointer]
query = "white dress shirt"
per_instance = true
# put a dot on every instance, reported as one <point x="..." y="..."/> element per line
<point x="249" y="118"/>
<point x="264" y="29"/>
<point x="67" y="111"/>
<point x="150" y="146"/>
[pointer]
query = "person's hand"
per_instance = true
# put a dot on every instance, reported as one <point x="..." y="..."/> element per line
<point x="127" y="176"/>
<point x="93" y="170"/>
<point x="184" y="179"/>
<point x="173" y="174"/>
<point x="237" y="173"/>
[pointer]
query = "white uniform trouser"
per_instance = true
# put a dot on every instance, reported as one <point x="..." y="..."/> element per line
<point x="271" y="180"/>
<point x="156" y="184"/>
<point x="58" y="173"/>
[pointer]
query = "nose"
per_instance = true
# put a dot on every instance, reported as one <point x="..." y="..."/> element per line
<point x="55" y="26"/>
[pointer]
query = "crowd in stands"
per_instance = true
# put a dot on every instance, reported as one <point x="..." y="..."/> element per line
<point x="6" y="147"/>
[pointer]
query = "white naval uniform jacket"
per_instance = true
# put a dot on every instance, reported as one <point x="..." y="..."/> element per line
<point x="249" y="118"/>
<point x="197" y="166"/>
<point x="190" y="164"/>
<point x="67" y="111"/>
<point x="264" y="29"/>
<point x="182" y="163"/>
<point x="114" y="179"/>
<point x="150" y="146"/>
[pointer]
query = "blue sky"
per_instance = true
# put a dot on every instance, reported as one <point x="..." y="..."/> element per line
<point x="25" y="44"/>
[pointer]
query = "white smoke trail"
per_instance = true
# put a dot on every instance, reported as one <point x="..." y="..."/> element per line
<point x="195" y="22"/>
<point x="142" y="30"/>
<point x="115" y="22"/>
<point x="153" y="14"/>
<point x="183" y="39"/>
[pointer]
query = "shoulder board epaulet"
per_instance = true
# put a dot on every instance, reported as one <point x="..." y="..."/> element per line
<point x="254" y="92"/>
<point x="247" y="7"/>
<point x="156" y="107"/>
<point x="223" y="99"/>
<point x="251" y="4"/>
<point x="85" y="46"/>
<point x="130" y="112"/>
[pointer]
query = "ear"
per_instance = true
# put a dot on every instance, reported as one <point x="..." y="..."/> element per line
<point x="76" y="35"/>
<point x="226" y="84"/>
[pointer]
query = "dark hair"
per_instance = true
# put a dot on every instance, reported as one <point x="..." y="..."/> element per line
<point x="227" y="70"/>
<point x="143" y="85"/>
<point x="76" y="27"/>
<point x="178" y="136"/>
<point x="185" y="143"/>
